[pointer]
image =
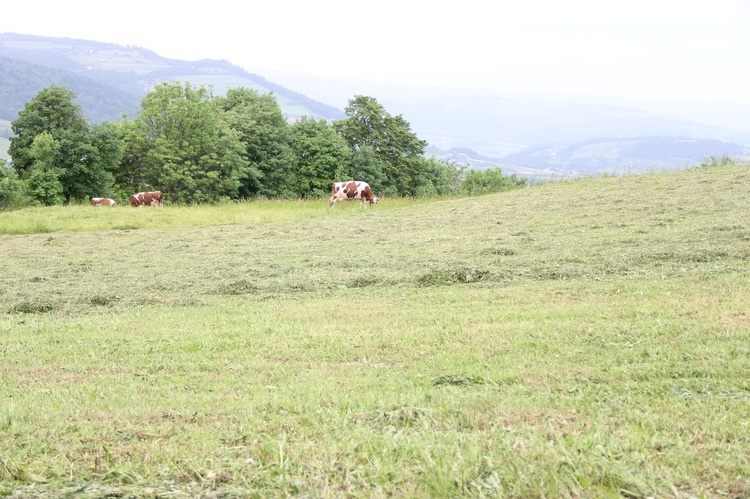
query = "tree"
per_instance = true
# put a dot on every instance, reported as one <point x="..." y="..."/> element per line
<point x="440" y="178"/>
<point x="366" y="164"/>
<point x="398" y="149"/>
<point x="107" y="153"/>
<point x="11" y="190"/>
<point x="320" y="156"/>
<point x="181" y="143"/>
<point x="264" y="135"/>
<point x="75" y="160"/>
<point x="43" y="179"/>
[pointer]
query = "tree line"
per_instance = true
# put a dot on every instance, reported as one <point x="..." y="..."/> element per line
<point x="200" y="148"/>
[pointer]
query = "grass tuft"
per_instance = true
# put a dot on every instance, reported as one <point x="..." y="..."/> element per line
<point x="32" y="306"/>
<point x="460" y="380"/>
<point x="238" y="287"/>
<point x="103" y="300"/>
<point x="365" y="282"/>
<point x="447" y="277"/>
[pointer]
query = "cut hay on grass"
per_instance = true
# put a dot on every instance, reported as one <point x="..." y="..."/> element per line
<point x="588" y="338"/>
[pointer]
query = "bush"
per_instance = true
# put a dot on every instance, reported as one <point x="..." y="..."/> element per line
<point x="489" y="181"/>
<point x="11" y="189"/>
<point x="712" y="161"/>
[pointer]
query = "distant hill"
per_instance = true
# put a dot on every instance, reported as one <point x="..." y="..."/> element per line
<point x="624" y="156"/>
<point x="110" y="79"/>
<point x="21" y="81"/>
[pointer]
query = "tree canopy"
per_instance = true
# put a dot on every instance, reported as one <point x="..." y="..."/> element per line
<point x="182" y="144"/>
<point x="53" y="143"/>
<point x="264" y="136"/>
<point x="395" y="153"/>
<point x="320" y="157"/>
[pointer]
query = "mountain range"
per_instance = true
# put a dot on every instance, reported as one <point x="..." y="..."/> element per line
<point x="527" y="134"/>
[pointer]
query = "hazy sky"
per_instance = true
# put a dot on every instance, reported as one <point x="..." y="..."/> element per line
<point x="682" y="49"/>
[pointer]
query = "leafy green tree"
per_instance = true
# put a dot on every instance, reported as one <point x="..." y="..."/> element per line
<point x="43" y="180"/>
<point x="398" y="149"/>
<point x="320" y="156"/>
<point x="107" y="141"/>
<point x="181" y="143"/>
<point x="11" y="189"/>
<point x="76" y="161"/>
<point x="439" y="178"/>
<point x="130" y="174"/>
<point x="367" y="165"/>
<point x="264" y="134"/>
<point x="489" y="181"/>
<point x="107" y="153"/>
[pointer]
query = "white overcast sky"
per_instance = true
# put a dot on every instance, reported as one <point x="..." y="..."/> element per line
<point x="683" y="49"/>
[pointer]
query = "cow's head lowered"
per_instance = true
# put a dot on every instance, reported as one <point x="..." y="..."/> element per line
<point x="153" y="198"/>
<point x="103" y="202"/>
<point x="353" y="189"/>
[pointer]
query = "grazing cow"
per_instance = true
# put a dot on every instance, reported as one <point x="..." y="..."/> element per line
<point x="103" y="202"/>
<point x="153" y="198"/>
<point x="354" y="189"/>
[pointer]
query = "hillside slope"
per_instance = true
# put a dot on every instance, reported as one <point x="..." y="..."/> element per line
<point x="623" y="156"/>
<point x="128" y="73"/>
<point x="21" y="81"/>
<point x="599" y="228"/>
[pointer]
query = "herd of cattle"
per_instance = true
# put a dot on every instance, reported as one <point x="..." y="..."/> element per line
<point x="340" y="191"/>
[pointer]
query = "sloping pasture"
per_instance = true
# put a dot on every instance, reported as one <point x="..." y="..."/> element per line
<point x="587" y="338"/>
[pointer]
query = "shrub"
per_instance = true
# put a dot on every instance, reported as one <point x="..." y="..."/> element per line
<point x="11" y="189"/>
<point x="489" y="181"/>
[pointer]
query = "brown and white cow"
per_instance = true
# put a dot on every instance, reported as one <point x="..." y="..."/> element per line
<point x="353" y="189"/>
<point x="103" y="202"/>
<point x="153" y="198"/>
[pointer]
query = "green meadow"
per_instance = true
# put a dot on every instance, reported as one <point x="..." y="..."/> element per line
<point x="588" y="338"/>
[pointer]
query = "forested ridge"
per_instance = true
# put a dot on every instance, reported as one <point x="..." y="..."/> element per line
<point x="110" y="79"/>
<point x="200" y="148"/>
<point x="20" y="81"/>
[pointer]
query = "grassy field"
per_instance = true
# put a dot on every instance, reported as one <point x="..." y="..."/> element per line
<point x="587" y="338"/>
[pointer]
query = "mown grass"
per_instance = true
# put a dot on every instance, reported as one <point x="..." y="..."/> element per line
<point x="577" y="339"/>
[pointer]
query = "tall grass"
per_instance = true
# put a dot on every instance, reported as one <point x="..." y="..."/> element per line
<point x="84" y="217"/>
<point x="573" y="339"/>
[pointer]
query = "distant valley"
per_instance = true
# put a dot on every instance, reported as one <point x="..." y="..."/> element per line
<point x="522" y="133"/>
<point x="552" y="134"/>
